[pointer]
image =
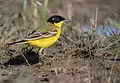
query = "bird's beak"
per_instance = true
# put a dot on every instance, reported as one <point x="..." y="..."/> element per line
<point x="67" y="20"/>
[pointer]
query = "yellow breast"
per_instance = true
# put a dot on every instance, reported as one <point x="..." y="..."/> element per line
<point x="45" y="42"/>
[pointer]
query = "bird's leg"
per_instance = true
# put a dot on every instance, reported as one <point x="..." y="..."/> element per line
<point x="40" y="54"/>
<point x="40" y="51"/>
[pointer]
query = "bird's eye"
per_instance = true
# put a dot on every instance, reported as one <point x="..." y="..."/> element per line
<point x="57" y="19"/>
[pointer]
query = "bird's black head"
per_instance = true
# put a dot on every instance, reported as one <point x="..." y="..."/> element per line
<point x="55" y="19"/>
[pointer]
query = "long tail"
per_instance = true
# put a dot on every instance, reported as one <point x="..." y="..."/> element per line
<point x="17" y="42"/>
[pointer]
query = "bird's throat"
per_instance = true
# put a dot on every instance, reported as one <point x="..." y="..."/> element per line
<point x="59" y="25"/>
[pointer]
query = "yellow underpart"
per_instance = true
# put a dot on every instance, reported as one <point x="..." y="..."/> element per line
<point x="46" y="42"/>
<point x="59" y="24"/>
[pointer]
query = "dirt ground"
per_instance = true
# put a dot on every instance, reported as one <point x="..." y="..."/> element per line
<point x="77" y="57"/>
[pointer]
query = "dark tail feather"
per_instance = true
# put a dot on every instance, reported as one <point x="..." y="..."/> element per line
<point x="17" y="42"/>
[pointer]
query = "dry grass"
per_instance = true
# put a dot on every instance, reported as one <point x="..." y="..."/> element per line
<point x="77" y="57"/>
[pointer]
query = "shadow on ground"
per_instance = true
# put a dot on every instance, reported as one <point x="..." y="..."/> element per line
<point x="32" y="57"/>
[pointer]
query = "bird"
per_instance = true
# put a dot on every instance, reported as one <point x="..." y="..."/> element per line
<point x="48" y="34"/>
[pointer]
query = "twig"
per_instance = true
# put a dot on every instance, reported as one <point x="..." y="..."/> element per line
<point x="96" y="17"/>
<point x="109" y="78"/>
<point x="26" y="60"/>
